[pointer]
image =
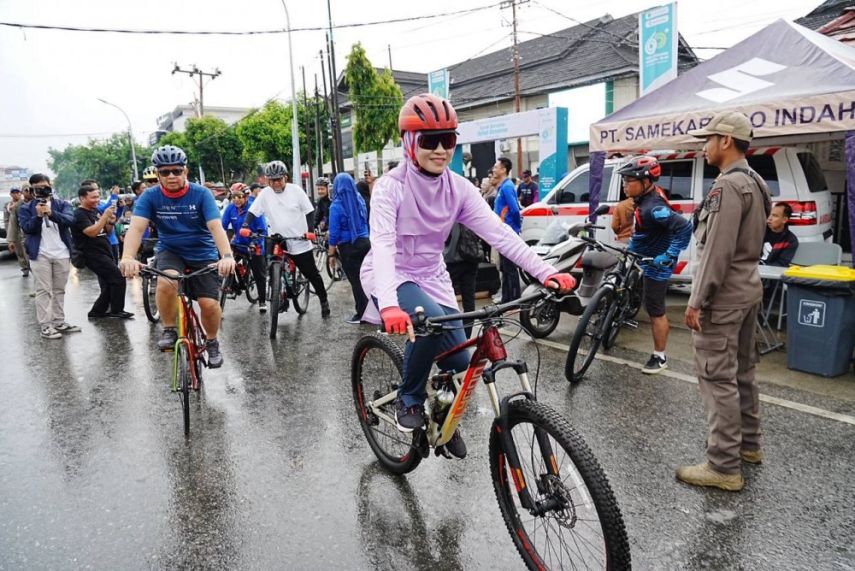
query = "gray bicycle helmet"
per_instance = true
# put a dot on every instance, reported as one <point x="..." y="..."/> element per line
<point x="150" y="173"/>
<point x="275" y="169"/>
<point x="322" y="181"/>
<point x="168" y="155"/>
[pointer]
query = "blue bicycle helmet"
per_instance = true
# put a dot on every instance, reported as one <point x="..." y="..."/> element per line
<point x="169" y="155"/>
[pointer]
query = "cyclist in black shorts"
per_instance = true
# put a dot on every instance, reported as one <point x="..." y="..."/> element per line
<point x="660" y="233"/>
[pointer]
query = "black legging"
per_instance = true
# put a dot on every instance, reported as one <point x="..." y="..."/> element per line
<point x="259" y="272"/>
<point x="306" y="263"/>
<point x="351" y="262"/>
<point x="111" y="281"/>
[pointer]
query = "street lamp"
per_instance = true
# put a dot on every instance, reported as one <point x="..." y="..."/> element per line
<point x="130" y="136"/>
<point x="295" y="138"/>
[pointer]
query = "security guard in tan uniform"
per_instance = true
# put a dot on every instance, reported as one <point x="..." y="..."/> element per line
<point x="722" y="312"/>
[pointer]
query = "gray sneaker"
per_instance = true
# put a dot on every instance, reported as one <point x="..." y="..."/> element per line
<point x="66" y="328"/>
<point x="167" y="339"/>
<point x="49" y="332"/>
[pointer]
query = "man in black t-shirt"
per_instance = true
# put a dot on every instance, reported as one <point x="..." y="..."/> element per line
<point x="90" y="232"/>
<point x="527" y="191"/>
<point x="779" y="244"/>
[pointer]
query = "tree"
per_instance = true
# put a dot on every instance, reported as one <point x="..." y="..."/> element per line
<point x="108" y="162"/>
<point x="266" y="134"/>
<point x="215" y="146"/>
<point x="376" y="99"/>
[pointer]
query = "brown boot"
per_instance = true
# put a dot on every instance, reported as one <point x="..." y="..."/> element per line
<point x="705" y="475"/>
<point x="752" y="456"/>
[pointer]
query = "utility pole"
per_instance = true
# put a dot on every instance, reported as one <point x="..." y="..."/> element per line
<point x="202" y="75"/>
<point x="389" y="47"/>
<point x="512" y="4"/>
<point x="333" y="160"/>
<point x="311" y="182"/>
<point x="318" y="131"/>
<point x="333" y="83"/>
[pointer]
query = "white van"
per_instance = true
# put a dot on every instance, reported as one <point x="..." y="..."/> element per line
<point x="792" y="173"/>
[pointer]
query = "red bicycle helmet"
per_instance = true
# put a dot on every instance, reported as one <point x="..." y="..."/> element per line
<point x="239" y="187"/>
<point x="427" y="112"/>
<point x="642" y="167"/>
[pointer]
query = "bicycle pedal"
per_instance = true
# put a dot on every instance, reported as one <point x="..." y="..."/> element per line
<point x="631" y="323"/>
<point x="441" y="451"/>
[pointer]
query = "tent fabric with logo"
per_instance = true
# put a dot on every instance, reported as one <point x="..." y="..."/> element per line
<point x="795" y="86"/>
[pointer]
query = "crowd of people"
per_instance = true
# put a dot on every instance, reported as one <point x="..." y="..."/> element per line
<point x="415" y="238"/>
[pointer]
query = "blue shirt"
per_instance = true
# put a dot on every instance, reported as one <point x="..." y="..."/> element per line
<point x="233" y="218"/>
<point x="340" y="229"/>
<point x="658" y="230"/>
<point x="507" y="207"/>
<point x="182" y="223"/>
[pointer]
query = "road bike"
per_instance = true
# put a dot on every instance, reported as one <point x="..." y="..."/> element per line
<point x="190" y="350"/>
<point x="554" y="497"/>
<point x="613" y="306"/>
<point x="149" y="281"/>
<point x="335" y="271"/>
<point x="242" y="280"/>
<point x="286" y="283"/>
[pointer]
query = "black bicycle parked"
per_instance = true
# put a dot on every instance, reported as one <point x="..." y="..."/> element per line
<point x="613" y="306"/>
<point x="242" y="280"/>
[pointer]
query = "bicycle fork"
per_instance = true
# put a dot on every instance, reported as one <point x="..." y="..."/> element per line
<point x="500" y="425"/>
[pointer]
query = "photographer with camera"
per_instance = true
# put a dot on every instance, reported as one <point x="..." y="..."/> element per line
<point x="47" y="221"/>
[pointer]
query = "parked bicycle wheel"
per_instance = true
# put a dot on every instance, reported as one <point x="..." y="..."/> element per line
<point x="301" y="292"/>
<point x="588" y="335"/>
<point x="184" y="381"/>
<point x="275" y="297"/>
<point x="335" y="272"/>
<point x="579" y="525"/>
<point x="149" y="290"/>
<point x="542" y="319"/>
<point x="376" y="371"/>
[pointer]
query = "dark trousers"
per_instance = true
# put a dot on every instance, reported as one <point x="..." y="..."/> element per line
<point x="259" y="272"/>
<point x="351" y="261"/>
<point x="463" y="276"/>
<point x="114" y="248"/>
<point x="306" y="263"/>
<point x="510" y="280"/>
<point x="113" y="285"/>
<point x="418" y="356"/>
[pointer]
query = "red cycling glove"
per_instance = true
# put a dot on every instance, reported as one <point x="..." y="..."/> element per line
<point x="395" y="320"/>
<point x="565" y="282"/>
<point x="245" y="232"/>
<point x="310" y="236"/>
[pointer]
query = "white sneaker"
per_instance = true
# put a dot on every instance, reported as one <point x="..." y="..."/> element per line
<point x="67" y="328"/>
<point x="262" y="307"/>
<point x="49" y="332"/>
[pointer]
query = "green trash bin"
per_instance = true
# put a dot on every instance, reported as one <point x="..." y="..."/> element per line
<point x="820" y="319"/>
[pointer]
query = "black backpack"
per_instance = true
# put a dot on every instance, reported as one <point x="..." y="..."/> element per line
<point x="469" y="246"/>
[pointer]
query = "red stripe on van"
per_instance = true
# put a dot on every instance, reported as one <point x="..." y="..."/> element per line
<point x="680" y="267"/>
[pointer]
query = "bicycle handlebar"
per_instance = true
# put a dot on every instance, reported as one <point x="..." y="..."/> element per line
<point x="422" y="322"/>
<point x="155" y="271"/>
<point x="619" y="250"/>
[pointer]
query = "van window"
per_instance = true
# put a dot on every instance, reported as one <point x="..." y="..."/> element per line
<point x="577" y="189"/>
<point x="813" y="172"/>
<point x="764" y="165"/>
<point x="676" y="179"/>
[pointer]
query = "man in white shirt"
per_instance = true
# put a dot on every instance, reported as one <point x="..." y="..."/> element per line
<point x="286" y="206"/>
<point x="46" y="221"/>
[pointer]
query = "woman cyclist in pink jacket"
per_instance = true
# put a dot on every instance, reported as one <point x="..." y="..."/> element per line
<point x="413" y="208"/>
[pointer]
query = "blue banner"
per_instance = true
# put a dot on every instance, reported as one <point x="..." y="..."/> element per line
<point x="438" y="83"/>
<point x="657" y="47"/>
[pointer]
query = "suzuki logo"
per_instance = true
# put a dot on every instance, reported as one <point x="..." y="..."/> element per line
<point x="741" y="80"/>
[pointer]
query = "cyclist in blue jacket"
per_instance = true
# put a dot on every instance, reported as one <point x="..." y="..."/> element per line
<point x="233" y="218"/>
<point x="660" y="233"/>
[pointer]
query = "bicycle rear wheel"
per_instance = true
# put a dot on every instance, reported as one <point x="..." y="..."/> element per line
<point x="301" y="292"/>
<point x="149" y="290"/>
<point x="250" y="287"/>
<point x="579" y="524"/>
<point x="275" y="297"/>
<point x="376" y="371"/>
<point x="588" y="335"/>
<point x="184" y="382"/>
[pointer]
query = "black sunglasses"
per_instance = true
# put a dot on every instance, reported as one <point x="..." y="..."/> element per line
<point x="174" y="172"/>
<point x="430" y="141"/>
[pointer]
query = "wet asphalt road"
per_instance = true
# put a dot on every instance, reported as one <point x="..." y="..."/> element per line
<point x="95" y="471"/>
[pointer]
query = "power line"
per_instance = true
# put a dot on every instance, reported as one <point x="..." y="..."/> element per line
<point x="51" y="135"/>
<point x="245" y="32"/>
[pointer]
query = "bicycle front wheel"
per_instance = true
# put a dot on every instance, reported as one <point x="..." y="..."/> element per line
<point x="225" y="289"/>
<point x="275" y="297"/>
<point x="149" y="290"/>
<point x="376" y="371"/>
<point x="250" y="287"/>
<point x="334" y="270"/>
<point x="576" y="522"/>
<point x="588" y="335"/>
<point x="184" y="382"/>
<point x="301" y="292"/>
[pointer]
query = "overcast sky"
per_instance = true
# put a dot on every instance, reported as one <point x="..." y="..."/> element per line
<point x="50" y="80"/>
